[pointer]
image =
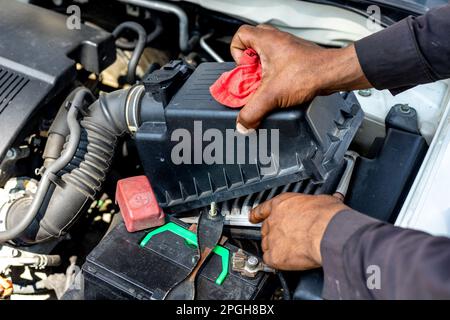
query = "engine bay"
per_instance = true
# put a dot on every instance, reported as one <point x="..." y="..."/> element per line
<point x="113" y="153"/>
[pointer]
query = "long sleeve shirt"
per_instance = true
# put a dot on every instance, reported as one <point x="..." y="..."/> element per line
<point x="410" y="52"/>
<point x="364" y="258"/>
<point x="367" y="259"/>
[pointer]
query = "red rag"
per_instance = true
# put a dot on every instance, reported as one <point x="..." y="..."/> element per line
<point x="234" y="88"/>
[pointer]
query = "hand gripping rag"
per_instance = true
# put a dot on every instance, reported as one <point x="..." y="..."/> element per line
<point x="234" y="88"/>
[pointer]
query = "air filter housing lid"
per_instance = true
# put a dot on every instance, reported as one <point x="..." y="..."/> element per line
<point x="192" y="154"/>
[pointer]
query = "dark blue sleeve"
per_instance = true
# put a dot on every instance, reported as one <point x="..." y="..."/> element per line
<point x="364" y="258"/>
<point x="413" y="51"/>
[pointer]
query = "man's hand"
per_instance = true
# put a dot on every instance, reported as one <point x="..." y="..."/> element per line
<point x="293" y="227"/>
<point x="293" y="71"/>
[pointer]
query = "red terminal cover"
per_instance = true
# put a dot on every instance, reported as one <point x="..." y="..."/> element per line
<point x="138" y="205"/>
<point x="234" y="88"/>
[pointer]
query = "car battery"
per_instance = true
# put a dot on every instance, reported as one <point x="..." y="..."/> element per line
<point x="147" y="264"/>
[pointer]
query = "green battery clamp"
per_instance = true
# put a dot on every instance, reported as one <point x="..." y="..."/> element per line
<point x="191" y="239"/>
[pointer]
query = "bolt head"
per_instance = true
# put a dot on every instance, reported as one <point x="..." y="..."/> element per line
<point x="404" y="108"/>
<point x="365" y="93"/>
<point x="213" y="210"/>
<point x="195" y="259"/>
<point x="252" y="261"/>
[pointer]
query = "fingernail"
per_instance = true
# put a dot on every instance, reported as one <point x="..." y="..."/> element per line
<point x="243" y="130"/>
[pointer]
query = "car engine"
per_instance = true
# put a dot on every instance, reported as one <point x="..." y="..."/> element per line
<point x="112" y="150"/>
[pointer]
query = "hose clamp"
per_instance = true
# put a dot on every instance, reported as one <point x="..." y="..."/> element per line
<point x="132" y="107"/>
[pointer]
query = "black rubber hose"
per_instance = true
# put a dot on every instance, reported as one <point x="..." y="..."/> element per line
<point x="80" y="180"/>
<point x="130" y="45"/>
<point x="284" y="286"/>
<point x="55" y="143"/>
<point x="137" y="52"/>
<point x="58" y="132"/>
<point x="33" y="208"/>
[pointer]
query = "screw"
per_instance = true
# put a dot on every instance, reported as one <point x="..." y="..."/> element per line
<point x="252" y="262"/>
<point x="365" y="93"/>
<point x="11" y="153"/>
<point x="404" y="108"/>
<point x="213" y="210"/>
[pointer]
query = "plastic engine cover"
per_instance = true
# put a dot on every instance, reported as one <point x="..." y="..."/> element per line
<point x="38" y="56"/>
<point x="306" y="142"/>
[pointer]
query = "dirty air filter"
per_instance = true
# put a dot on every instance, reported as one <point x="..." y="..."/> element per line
<point x="193" y="156"/>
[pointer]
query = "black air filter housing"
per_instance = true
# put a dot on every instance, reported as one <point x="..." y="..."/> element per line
<point x="312" y="141"/>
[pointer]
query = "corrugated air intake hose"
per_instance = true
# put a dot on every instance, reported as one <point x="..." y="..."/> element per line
<point x="73" y="180"/>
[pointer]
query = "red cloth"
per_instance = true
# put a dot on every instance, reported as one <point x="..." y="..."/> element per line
<point x="234" y="88"/>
